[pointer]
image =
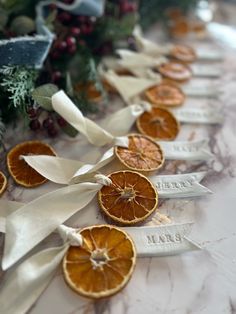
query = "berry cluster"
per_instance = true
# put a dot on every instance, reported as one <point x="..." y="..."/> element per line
<point x="40" y="119"/>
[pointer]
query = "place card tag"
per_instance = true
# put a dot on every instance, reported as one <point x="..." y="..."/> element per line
<point x="162" y="240"/>
<point x="209" y="54"/>
<point x="203" y="70"/>
<point x="185" y="150"/>
<point x="195" y="90"/>
<point x="198" y="115"/>
<point x="180" y="185"/>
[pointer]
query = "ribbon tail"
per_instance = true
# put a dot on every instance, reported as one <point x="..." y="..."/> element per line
<point x="120" y="123"/>
<point x="6" y="208"/>
<point x="33" y="222"/>
<point x="24" y="284"/>
<point x="55" y="169"/>
<point x="128" y="86"/>
<point x="88" y="170"/>
<point x="62" y="104"/>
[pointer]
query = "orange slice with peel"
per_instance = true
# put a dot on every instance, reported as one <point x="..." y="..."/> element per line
<point x="130" y="199"/>
<point x="90" y="91"/>
<point x="165" y="94"/>
<point x="159" y="124"/>
<point x="179" y="27"/>
<point x="142" y="154"/>
<point x="104" y="263"/>
<point x="20" y="171"/>
<point x="183" y="53"/>
<point x="175" y="71"/>
<point x="3" y="182"/>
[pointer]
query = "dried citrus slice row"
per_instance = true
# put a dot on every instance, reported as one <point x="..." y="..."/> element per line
<point x="175" y="71"/>
<point x="165" y="94"/>
<point x="3" y="182"/>
<point x="103" y="265"/>
<point x="159" y="123"/>
<point x="142" y="154"/>
<point x="130" y="199"/>
<point x="183" y="53"/>
<point x="21" y="172"/>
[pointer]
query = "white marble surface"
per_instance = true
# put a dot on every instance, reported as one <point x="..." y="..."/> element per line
<point x="196" y="282"/>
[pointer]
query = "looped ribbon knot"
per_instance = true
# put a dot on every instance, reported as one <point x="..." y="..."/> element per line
<point x="70" y="235"/>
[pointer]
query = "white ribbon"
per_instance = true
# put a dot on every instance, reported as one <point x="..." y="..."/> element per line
<point x="24" y="284"/>
<point x="198" y="115"/>
<point x="149" y="47"/>
<point x="34" y="221"/>
<point x="122" y="121"/>
<point x="129" y="86"/>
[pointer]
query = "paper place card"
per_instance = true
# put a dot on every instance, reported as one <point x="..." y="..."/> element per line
<point x="162" y="240"/>
<point x="198" y="115"/>
<point x="209" y="54"/>
<point x="180" y="185"/>
<point x="185" y="150"/>
<point x="195" y="90"/>
<point x="203" y="70"/>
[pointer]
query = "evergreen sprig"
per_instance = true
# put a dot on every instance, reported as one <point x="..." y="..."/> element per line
<point x="18" y="83"/>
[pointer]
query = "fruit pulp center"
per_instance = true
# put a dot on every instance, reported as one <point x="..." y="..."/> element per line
<point x="99" y="258"/>
<point x="127" y="193"/>
<point x="157" y="120"/>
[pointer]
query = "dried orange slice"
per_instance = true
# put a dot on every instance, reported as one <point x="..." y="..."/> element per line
<point x="90" y="91"/>
<point x="159" y="123"/>
<point x="21" y="172"/>
<point x="142" y="154"/>
<point x="175" y="71"/>
<point x="183" y="53"/>
<point x="165" y="94"/>
<point x="3" y="182"/>
<point x="130" y="199"/>
<point x="180" y="27"/>
<point x="103" y="265"/>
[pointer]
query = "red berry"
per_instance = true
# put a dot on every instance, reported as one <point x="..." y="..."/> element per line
<point x="82" y="19"/>
<point x="62" y="122"/>
<point x="72" y="49"/>
<point x="48" y="123"/>
<point x="71" y="41"/>
<point x="82" y="42"/>
<point x="127" y="7"/>
<point x="62" y="45"/>
<point x="32" y="112"/>
<point x="55" y="55"/>
<point x="56" y="76"/>
<point x="86" y="29"/>
<point x="52" y="132"/>
<point x="34" y="125"/>
<point x="64" y="17"/>
<point x="75" y="31"/>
